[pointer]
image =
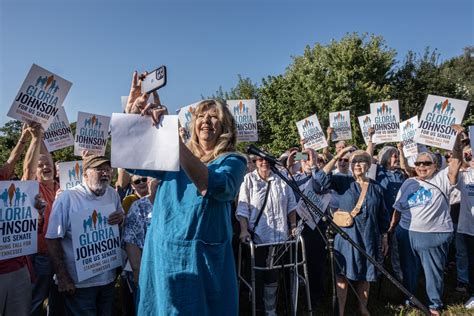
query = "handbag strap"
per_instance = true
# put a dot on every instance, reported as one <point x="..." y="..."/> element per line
<point x="263" y="206"/>
<point x="356" y="210"/>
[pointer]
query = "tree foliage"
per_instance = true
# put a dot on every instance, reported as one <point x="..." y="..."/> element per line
<point x="344" y="75"/>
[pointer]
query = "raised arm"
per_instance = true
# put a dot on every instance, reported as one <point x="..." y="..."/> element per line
<point x="330" y="165"/>
<point x="456" y="159"/>
<point x="327" y="154"/>
<point x="370" y="144"/>
<point x="32" y="155"/>
<point x="403" y="160"/>
<point x="9" y="167"/>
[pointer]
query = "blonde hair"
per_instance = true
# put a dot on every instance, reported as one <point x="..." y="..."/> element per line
<point x="226" y="140"/>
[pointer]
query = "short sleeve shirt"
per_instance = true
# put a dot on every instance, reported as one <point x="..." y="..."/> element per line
<point x="424" y="205"/>
<point x="466" y="213"/>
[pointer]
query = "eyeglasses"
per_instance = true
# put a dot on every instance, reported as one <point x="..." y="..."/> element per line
<point x="423" y="163"/>
<point x="343" y="160"/>
<point x="143" y="180"/>
<point x="103" y="170"/>
<point x="358" y="160"/>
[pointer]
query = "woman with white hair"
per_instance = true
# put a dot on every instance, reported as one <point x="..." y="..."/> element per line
<point x="426" y="228"/>
<point x="363" y="198"/>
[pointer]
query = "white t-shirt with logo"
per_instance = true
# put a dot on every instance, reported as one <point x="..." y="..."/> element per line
<point x="423" y="206"/>
<point x="78" y="199"/>
<point x="466" y="213"/>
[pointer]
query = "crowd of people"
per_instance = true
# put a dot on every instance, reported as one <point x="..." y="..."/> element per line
<point x="177" y="227"/>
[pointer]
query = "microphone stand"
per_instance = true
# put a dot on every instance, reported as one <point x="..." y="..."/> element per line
<point x="332" y="230"/>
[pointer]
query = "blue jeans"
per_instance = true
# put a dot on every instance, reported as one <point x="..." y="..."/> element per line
<point x="89" y="301"/>
<point x="469" y="242"/>
<point x="44" y="287"/>
<point x="461" y="259"/>
<point x="428" y="251"/>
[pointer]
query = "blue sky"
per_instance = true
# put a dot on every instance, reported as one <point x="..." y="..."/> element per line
<point x="205" y="44"/>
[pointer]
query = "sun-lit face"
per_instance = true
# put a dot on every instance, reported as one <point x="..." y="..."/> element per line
<point x="208" y="126"/>
<point x="97" y="179"/>
<point x="140" y="185"/>
<point x="262" y="165"/>
<point x="467" y="156"/>
<point x="359" y="166"/>
<point x="343" y="163"/>
<point x="394" y="161"/>
<point x="425" y="167"/>
<point x="44" y="171"/>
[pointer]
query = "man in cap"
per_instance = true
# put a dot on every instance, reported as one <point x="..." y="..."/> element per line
<point x="95" y="295"/>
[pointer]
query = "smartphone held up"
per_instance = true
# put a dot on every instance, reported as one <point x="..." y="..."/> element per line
<point x="154" y="80"/>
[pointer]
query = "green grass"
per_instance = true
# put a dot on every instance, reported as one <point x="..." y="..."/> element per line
<point x="384" y="299"/>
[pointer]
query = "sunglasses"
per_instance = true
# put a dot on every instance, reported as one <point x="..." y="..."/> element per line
<point x="143" y="180"/>
<point x="467" y="157"/>
<point x="358" y="160"/>
<point x="423" y="163"/>
<point x="344" y="159"/>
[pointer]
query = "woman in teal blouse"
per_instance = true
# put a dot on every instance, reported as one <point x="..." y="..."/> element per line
<point x="187" y="265"/>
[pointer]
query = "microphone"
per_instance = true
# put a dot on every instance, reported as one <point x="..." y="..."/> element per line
<point x="254" y="150"/>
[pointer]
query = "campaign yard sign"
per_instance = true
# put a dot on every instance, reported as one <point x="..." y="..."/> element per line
<point x="18" y="219"/>
<point x="185" y="116"/>
<point x="310" y="130"/>
<point x="407" y="132"/>
<point x="92" y="132"/>
<point x="96" y="244"/>
<point x="436" y="119"/>
<point x="341" y="123"/>
<point x="365" y="122"/>
<point x="59" y="133"/>
<point x="320" y="200"/>
<point x="40" y="97"/>
<point x="386" y="121"/>
<point x="70" y="174"/>
<point x="245" y="115"/>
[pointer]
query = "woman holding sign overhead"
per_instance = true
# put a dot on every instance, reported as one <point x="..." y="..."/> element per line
<point x="187" y="263"/>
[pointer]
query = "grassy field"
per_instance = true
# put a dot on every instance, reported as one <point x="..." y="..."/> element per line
<point x="384" y="299"/>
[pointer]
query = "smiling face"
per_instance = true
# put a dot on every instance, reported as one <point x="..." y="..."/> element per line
<point x="425" y="167"/>
<point x="467" y="156"/>
<point x="97" y="179"/>
<point x="263" y="167"/>
<point x="208" y="127"/>
<point x="45" y="169"/>
<point x="140" y="185"/>
<point x="360" y="164"/>
<point x="343" y="163"/>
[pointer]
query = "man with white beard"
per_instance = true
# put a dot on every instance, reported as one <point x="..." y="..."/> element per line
<point x="95" y="295"/>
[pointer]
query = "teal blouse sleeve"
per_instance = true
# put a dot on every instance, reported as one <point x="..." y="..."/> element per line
<point x="225" y="177"/>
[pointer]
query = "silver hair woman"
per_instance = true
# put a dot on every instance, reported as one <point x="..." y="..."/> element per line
<point x="425" y="226"/>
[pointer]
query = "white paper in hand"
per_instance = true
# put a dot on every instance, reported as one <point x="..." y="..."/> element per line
<point x="137" y="144"/>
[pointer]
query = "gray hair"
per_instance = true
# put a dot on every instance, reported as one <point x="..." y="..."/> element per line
<point x="385" y="154"/>
<point x="432" y="157"/>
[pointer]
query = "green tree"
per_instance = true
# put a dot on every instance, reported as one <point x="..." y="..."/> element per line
<point x="421" y="75"/>
<point x="344" y="75"/>
<point x="10" y="133"/>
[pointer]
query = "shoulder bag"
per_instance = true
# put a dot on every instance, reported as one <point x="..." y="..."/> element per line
<point x="345" y="219"/>
<point x="252" y="232"/>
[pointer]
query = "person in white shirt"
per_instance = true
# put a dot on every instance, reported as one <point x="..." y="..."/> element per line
<point x="93" y="296"/>
<point x="466" y="216"/>
<point x="425" y="227"/>
<point x="278" y="213"/>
